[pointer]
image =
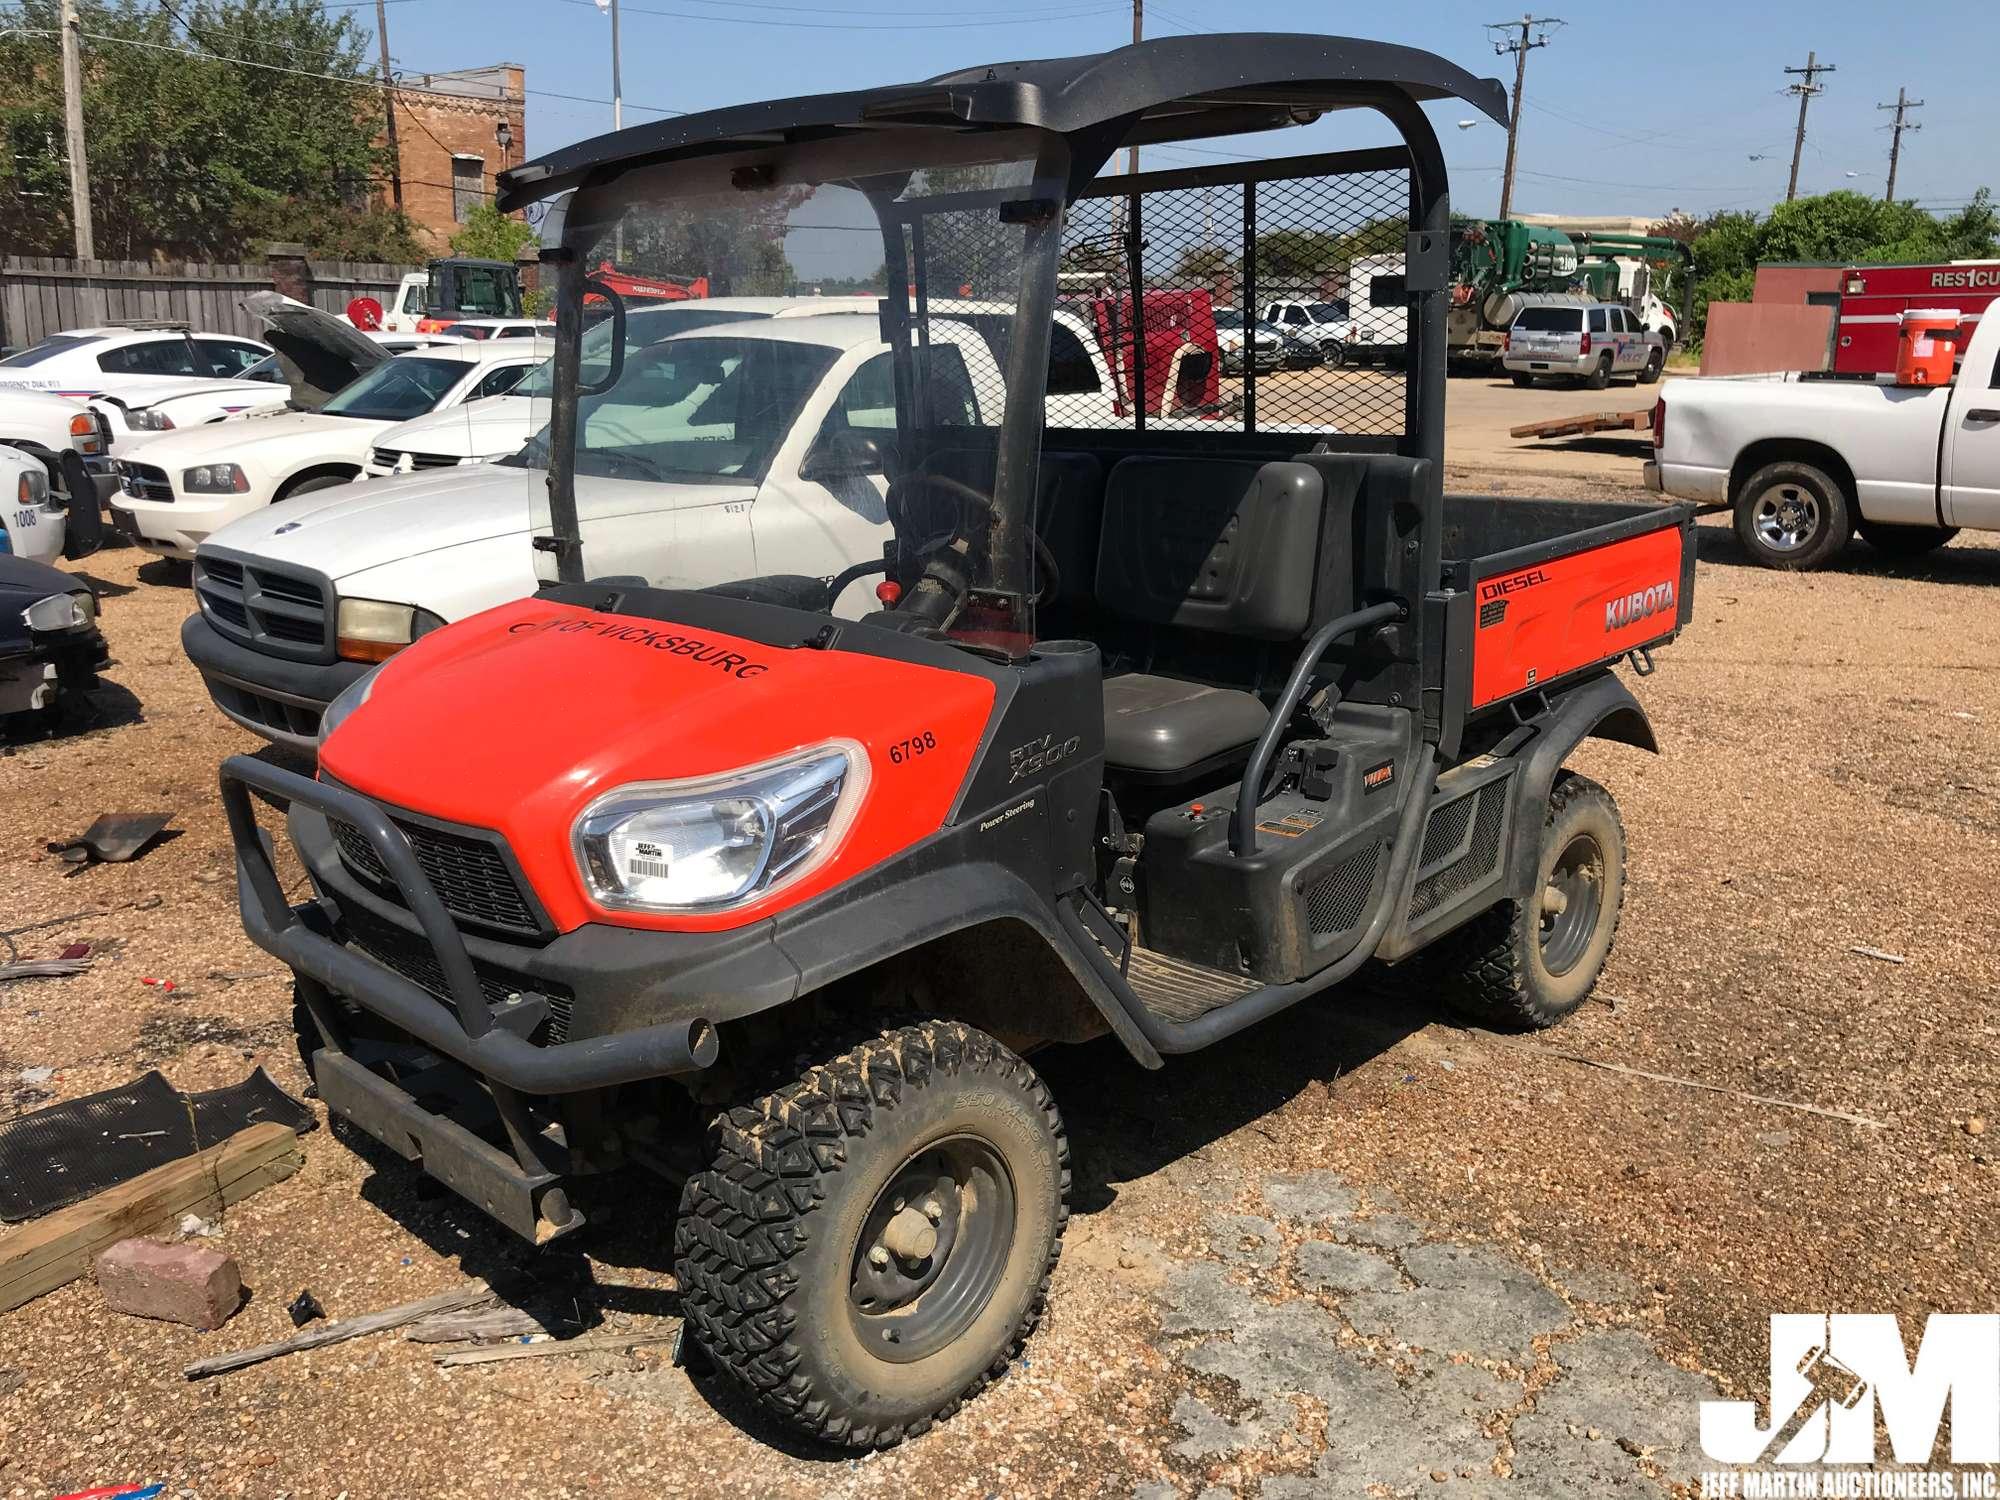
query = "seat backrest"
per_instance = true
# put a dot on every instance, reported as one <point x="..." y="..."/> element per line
<point x="1224" y="546"/>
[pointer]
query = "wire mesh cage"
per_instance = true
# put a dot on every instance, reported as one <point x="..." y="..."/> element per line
<point x="1270" y="299"/>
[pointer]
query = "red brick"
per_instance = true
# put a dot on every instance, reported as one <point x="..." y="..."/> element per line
<point x="189" y="1284"/>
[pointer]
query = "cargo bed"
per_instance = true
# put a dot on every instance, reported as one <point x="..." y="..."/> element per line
<point x="1560" y="587"/>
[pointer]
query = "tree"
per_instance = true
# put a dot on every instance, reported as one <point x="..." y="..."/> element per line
<point x="489" y="234"/>
<point x="194" y="150"/>
<point x="1204" y="263"/>
<point x="1834" y="228"/>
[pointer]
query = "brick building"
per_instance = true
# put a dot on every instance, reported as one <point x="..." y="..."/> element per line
<point x="454" y="133"/>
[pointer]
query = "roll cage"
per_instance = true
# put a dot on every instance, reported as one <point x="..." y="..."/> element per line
<point x="1069" y="116"/>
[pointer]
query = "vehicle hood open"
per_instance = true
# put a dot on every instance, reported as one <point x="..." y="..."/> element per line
<point x="318" y="352"/>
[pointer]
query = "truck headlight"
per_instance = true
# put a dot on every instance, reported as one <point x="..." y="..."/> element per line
<point x="351" y="697"/>
<point x="73" y="611"/>
<point x="149" y="421"/>
<point x="718" y="841"/>
<point x="375" y="629"/>
<point x="33" y="488"/>
<point x="215" y="479"/>
<point x="84" y="433"/>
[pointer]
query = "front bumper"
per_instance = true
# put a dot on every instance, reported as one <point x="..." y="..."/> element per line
<point x="272" y="696"/>
<point x="520" y="1187"/>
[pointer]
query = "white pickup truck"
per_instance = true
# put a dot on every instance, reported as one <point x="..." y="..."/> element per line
<point x="729" y="452"/>
<point x="1806" y="460"/>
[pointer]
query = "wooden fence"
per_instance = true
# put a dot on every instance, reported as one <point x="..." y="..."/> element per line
<point x="40" y="295"/>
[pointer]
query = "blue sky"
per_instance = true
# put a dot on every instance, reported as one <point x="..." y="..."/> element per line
<point x="1632" y="108"/>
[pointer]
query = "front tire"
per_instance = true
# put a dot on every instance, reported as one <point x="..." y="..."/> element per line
<point x="1793" y="516"/>
<point x="1656" y="361"/>
<point x="871" y="1245"/>
<point x="1525" y="965"/>
<point x="1905" y="541"/>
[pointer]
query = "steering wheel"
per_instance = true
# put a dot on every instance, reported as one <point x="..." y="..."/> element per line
<point x="945" y="554"/>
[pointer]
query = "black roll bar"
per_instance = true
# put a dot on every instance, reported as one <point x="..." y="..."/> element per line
<point x="464" y="1029"/>
<point x="1243" y="822"/>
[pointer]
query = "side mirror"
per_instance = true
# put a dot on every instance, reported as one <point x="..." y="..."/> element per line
<point x="845" y="453"/>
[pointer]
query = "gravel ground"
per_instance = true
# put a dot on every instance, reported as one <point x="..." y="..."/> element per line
<point x="1830" y="779"/>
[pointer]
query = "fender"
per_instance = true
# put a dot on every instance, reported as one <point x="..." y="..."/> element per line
<point x="1601" y="709"/>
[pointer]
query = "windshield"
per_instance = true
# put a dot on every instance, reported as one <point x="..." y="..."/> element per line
<point x="474" y="291"/>
<point x="647" y="325"/>
<point x="1550" y="319"/>
<point x="1228" y="317"/>
<point x="397" y="389"/>
<point x="1329" y="312"/>
<point x="878" y="441"/>
<point x="54" y="344"/>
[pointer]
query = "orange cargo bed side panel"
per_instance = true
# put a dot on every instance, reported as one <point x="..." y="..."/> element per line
<point x="1539" y="623"/>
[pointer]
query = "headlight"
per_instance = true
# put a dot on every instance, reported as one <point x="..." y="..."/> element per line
<point x="215" y="479"/>
<point x="149" y="421"/>
<point x="351" y="697"/>
<point x="719" y="840"/>
<point x="61" y="612"/>
<point x="83" y="432"/>
<point x="33" y="488"/>
<point x="375" y="630"/>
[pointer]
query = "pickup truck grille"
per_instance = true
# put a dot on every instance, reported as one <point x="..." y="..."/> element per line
<point x="469" y="871"/>
<point x="277" y="609"/>
<point x="144" y="481"/>
<point x="390" y="458"/>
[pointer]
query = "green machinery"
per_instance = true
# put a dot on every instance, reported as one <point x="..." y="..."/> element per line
<point x="1499" y="266"/>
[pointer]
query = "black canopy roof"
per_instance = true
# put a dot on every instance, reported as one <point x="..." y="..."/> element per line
<point x="1175" y="88"/>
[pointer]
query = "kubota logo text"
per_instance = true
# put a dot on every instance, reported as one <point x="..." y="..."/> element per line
<point x="1637" y="606"/>
<point x="1832" y="1376"/>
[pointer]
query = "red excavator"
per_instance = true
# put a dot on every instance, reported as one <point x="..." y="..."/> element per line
<point x="641" y="289"/>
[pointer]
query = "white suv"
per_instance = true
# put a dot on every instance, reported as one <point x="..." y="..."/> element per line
<point x="1587" y="341"/>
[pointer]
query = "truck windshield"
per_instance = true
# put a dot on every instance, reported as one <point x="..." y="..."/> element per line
<point x="474" y="291"/>
<point x="886" y="439"/>
<point x="397" y="389"/>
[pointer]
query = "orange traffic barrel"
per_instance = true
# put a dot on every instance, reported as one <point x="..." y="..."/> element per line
<point x="1926" y="344"/>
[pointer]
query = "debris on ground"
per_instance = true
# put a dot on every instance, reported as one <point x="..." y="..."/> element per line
<point x="114" y="838"/>
<point x="43" y="968"/>
<point x="182" y="1283"/>
<point x="304" y="1309"/>
<point x="195" y="1227"/>
<point x="618" y="1344"/>
<point x="1888" y="958"/>
<point x="60" y="1248"/>
<point x="66" y="1152"/>
<point x="469" y="1295"/>
<point x="484" y="1325"/>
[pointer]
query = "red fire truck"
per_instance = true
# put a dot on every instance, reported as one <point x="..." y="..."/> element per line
<point x="1873" y="300"/>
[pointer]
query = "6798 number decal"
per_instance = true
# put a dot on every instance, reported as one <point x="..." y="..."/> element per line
<point x="909" y="749"/>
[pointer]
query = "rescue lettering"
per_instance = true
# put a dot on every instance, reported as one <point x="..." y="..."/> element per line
<point x="1971" y="276"/>
<point x="1638" y="606"/>
<point x="692" y="647"/>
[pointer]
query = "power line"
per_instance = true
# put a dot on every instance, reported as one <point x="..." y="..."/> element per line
<point x="1012" y="19"/>
<point x="1807" y="86"/>
<point x="1902" y="106"/>
<point x="1505" y="42"/>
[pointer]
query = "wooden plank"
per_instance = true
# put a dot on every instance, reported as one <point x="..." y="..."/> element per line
<point x="1597" y="421"/>
<point x="616" y="1344"/>
<point x="347" y="1328"/>
<point x="56" y="1250"/>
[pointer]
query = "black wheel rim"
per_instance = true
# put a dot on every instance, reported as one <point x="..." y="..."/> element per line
<point x="1572" y="898"/>
<point x="954" y="1202"/>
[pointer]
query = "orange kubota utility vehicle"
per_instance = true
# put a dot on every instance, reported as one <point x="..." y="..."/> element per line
<point x="1149" y="726"/>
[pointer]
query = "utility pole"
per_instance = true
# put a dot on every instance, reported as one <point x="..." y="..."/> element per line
<point x="79" y="163"/>
<point x="389" y="106"/>
<point x="1520" y="46"/>
<point x="1807" y="86"/>
<point x="1138" y="34"/>
<point x="1902" y="106"/>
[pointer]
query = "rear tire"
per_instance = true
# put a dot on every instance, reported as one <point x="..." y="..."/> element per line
<point x="1905" y="541"/>
<point x="1525" y="965"/>
<point x="1332" y="354"/>
<point x="1600" y="377"/>
<point x="776" y="1242"/>
<point x="1523" y="381"/>
<point x="1793" y="516"/>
